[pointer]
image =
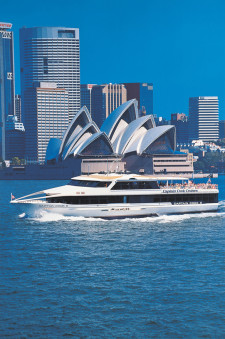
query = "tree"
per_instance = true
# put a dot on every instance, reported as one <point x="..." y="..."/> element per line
<point x="15" y="161"/>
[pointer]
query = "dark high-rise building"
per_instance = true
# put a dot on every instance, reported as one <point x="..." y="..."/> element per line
<point x="160" y="121"/>
<point x="105" y="99"/>
<point x="180" y="121"/>
<point x="50" y="54"/>
<point x="143" y="92"/>
<point x="204" y="118"/>
<point x="222" y="129"/>
<point x="18" y="107"/>
<point x="15" y="138"/>
<point x="7" y="85"/>
<point x="85" y="95"/>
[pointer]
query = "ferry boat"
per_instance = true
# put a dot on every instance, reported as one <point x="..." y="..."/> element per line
<point x="113" y="196"/>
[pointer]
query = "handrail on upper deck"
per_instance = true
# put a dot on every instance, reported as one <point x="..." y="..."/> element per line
<point x="190" y="185"/>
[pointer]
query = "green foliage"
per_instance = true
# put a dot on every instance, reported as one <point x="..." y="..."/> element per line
<point x="16" y="161"/>
<point x="209" y="163"/>
<point x="220" y="142"/>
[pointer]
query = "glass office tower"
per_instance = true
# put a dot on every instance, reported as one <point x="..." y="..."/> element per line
<point x="50" y="54"/>
<point x="143" y="92"/>
<point x="7" y="84"/>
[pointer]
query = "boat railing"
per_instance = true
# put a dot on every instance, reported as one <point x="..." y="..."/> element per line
<point x="189" y="186"/>
<point x="31" y="201"/>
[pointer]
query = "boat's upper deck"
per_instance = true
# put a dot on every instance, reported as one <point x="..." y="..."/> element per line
<point x="161" y="182"/>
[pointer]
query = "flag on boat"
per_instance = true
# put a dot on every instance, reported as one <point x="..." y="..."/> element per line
<point x="12" y="196"/>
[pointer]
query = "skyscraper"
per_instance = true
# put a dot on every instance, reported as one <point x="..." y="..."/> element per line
<point x="7" y="85"/>
<point x="15" y="138"/>
<point x="48" y="118"/>
<point x="85" y="95"/>
<point x="18" y="107"/>
<point x="143" y="92"/>
<point x="180" y="121"/>
<point x="222" y="129"/>
<point x="50" y="54"/>
<point x="204" y="118"/>
<point x="105" y="99"/>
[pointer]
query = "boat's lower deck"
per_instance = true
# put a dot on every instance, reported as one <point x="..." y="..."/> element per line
<point x="114" y="211"/>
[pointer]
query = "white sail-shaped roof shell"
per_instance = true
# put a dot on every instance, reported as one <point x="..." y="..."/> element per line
<point x="119" y="119"/>
<point x="131" y="132"/>
<point x="142" y="141"/>
<point x="80" y="120"/>
<point x="87" y="131"/>
<point x="88" y="141"/>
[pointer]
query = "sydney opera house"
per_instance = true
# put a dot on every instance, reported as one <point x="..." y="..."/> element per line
<point x="125" y="141"/>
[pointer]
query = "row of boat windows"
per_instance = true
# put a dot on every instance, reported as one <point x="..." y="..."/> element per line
<point x="89" y="183"/>
<point x="173" y="198"/>
<point x="120" y="185"/>
<point x="131" y="185"/>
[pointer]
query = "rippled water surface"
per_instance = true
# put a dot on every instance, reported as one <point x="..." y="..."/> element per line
<point x="75" y="277"/>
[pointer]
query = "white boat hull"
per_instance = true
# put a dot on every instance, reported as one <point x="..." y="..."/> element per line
<point x="114" y="211"/>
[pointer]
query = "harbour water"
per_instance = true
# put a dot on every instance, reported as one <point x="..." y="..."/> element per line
<point x="139" y="278"/>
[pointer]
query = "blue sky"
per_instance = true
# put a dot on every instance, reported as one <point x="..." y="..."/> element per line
<point x="177" y="45"/>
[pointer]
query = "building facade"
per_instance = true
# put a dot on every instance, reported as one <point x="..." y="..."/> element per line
<point x="15" y="138"/>
<point x="48" y="118"/>
<point x="180" y="121"/>
<point x="204" y="118"/>
<point x="18" y="107"/>
<point x="143" y="92"/>
<point x="222" y="129"/>
<point x="13" y="123"/>
<point x="50" y="54"/>
<point x="85" y="95"/>
<point x="7" y="82"/>
<point x="105" y="99"/>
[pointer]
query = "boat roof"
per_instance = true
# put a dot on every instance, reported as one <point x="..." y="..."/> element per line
<point x="115" y="176"/>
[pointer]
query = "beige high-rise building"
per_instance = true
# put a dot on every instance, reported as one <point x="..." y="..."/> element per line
<point x="49" y="118"/>
<point x="105" y="99"/>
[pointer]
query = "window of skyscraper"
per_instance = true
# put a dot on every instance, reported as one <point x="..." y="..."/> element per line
<point x="66" y="34"/>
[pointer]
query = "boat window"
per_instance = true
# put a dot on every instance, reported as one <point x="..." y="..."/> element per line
<point x="87" y="200"/>
<point x="153" y="198"/>
<point x="132" y="185"/>
<point x="89" y="183"/>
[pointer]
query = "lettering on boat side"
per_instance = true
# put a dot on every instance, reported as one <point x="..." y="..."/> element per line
<point x="120" y="209"/>
<point x="180" y="191"/>
<point x="187" y="203"/>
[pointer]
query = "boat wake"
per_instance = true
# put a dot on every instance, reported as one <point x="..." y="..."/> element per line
<point x="53" y="217"/>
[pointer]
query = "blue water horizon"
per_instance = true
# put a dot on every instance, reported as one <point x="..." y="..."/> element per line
<point x="86" y="278"/>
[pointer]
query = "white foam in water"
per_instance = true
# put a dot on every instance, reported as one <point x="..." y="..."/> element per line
<point x="222" y="204"/>
<point x="22" y="215"/>
<point x="181" y="217"/>
<point x="49" y="217"/>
